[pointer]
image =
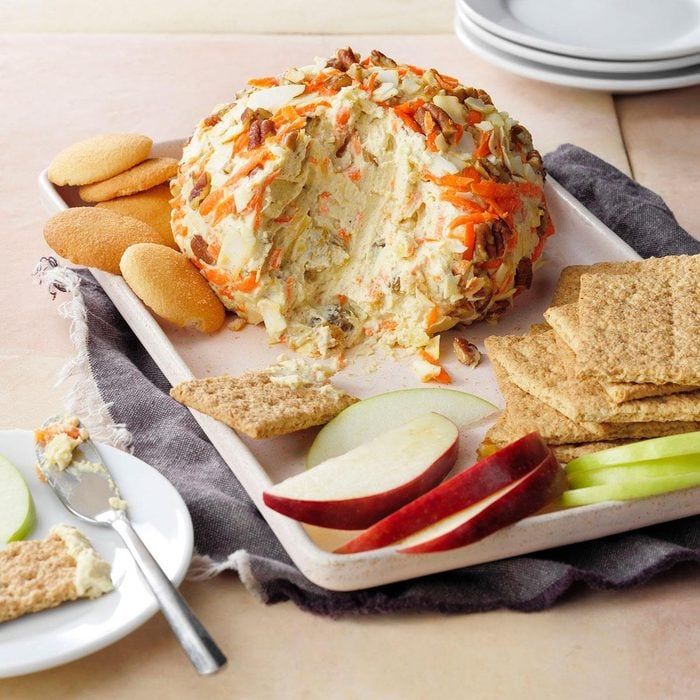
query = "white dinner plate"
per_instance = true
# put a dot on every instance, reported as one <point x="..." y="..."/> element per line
<point x="45" y="639"/>
<point x="608" y="82"/>
<point x="572" y="62"/>
<point x="618" y="30"/>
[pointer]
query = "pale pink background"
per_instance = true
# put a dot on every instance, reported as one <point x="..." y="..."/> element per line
<point x="635" y="644"/>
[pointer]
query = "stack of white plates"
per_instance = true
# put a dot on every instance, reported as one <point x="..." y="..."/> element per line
<point x="611" y="45"/>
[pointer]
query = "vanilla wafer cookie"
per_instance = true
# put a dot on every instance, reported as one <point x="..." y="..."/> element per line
<point x="98" y="158"/>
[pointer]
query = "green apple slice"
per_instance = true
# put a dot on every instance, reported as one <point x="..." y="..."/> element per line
<point x="629" y="490"/>
<point x="367" y="419"/>
<point x="672" y="466"/>
<point x="657" y="448"/>
<point x="17" y="516"/>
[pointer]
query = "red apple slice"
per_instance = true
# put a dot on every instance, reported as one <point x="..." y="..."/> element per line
<point x="470" y="486"/>
<point x="355" y="489"/>
<point x="504" y="507"/>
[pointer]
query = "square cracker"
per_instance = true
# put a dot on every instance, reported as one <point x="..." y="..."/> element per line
<point x="254" y="405"/>
<point x="642" y="327"/>
<point x="35" y="575"/>
<point x="564" y="320"/>
<point x="524" y="414"/>
<point x="569" y="283"/>
<point x="545" y="369"/>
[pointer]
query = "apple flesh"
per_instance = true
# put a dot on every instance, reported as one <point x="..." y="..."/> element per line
<point x="626" y="473"/>
<point x="502" y="508"/>
<point x="657" y="448"/>
<point x="17" y="515"/>
<point x="629" y="490"/>
<point x="371" y="417"/>
<point x="355" y="489"/>
<point x="486" y="477"/>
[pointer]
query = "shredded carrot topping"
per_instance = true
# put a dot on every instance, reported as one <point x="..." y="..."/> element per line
<point x="343" y="116"/>
<point x="482" y="150"/>
<point x="371" y="82"/>
<point x="262" y="82"/>
<point x="275" y="258"/>
<point x="443" y="377"/>
<point x="227" y="207"/>
<point x="474" y="117"/>
<point x="210" y="201"/>
<point x="433" y="316"/>
<point x="245" y="284"/>
<point x="257" y="159"/>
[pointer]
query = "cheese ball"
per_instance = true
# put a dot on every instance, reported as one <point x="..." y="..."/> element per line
<point x="361" y="201"/>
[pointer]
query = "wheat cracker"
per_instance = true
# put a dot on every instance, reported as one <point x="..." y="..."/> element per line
<point x="260" y="408"/>
<point x="564" y="321"/>
<point x="547" y="370"/>
<point x="642" y="327"/>
<point x="39" y="574"/>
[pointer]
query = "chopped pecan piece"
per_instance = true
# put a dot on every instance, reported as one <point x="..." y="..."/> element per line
<point x="467" y="353"/>
<point x="464" y="93"/>
<point x="254" y="135"/>
<point x="519" y="134"/>
<point x="523" y="273"/>
<point x="343" y="59"/>
<point x="215" y="118"/>
<point x="339" y="81"/>
<point x="494" y="171"/>
<point x="534" y="158"/>
<point x="258" y="131"/>
<point x="429" y="116"/>
<point x="382" y="60"/>
<point x="200" y="190"/>
<point x="340" y="151"/>
<point x="200" y="249"/>
<point x="493" y="237"/>
<point x="443" y="119"/>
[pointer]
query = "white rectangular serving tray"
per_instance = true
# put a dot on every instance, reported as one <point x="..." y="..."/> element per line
<point x="182" y="354"/>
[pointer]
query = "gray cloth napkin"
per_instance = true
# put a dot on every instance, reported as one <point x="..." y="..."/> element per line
<point x="225" y="520"/>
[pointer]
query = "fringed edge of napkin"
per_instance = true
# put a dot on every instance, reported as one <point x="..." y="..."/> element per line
<point x="203" y="567"/>
<point x="85" y="401"/>
<point x="84" y="398"/>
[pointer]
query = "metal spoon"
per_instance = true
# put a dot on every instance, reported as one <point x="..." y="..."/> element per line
<point x="87" y="495"/>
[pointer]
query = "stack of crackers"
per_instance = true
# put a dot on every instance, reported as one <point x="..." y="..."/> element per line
<point x="617" y="361"/>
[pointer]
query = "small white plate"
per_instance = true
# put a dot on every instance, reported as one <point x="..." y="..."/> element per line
<point x="624" y="30"/>
<point x="607" y="82"/>
<point x="572" y="62"/>
<point x="52" y="637"/>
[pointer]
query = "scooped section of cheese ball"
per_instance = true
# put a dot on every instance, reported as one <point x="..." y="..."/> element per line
<point x="361" y="201"/>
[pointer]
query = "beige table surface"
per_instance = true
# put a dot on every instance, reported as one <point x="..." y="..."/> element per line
<point x="639" y="643"/>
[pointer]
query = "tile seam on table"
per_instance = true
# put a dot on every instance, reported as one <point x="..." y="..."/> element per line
<point x="622" y="137"/>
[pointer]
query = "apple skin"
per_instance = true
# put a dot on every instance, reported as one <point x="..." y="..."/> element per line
<point x="470" y="486"/>
<point x="626" y="491"/>
<point x="683" y="444"/>
<point x="541" y="486"/>
<point x="359" y="513"/>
